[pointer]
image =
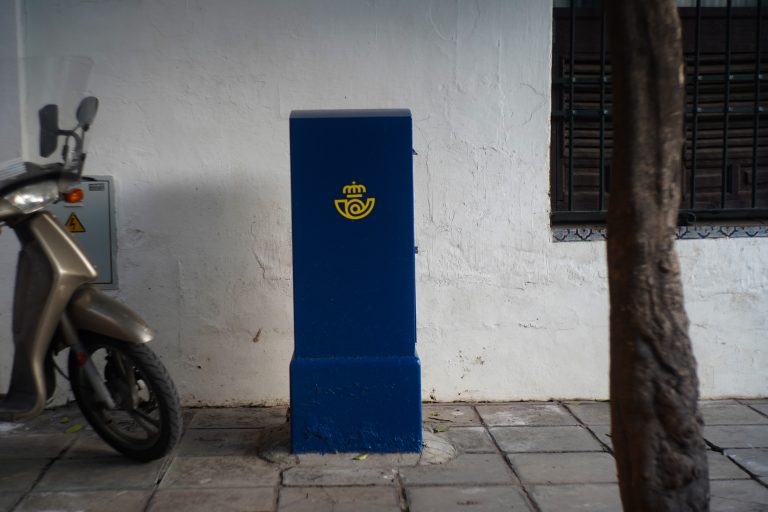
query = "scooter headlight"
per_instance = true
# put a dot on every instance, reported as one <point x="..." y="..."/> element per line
<point x="33" y="197"/>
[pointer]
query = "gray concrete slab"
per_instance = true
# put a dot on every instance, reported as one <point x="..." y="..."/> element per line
<point x="339" y="499"/>
<point x="577" y="497"/>
<point x="20" y="474"/>
<point x="307" y="476"/>
<point x="88" y="445"/>
<point x="474" y="499"/>
<point x="564" y="468"/>
<point x="591" y="413"/>
<point x="526" y="414"/>
<point x="214" y="500"/>
<point x="450" y="415"/>
<point x="230" y="471"/>
<point x="603" y="434"/>
<point x="737" y="496"/>
<point x="754" y="460"/>
<point x="116" y="473"/>
<point x="79" y="501"/>
<point x="239" y="417"/>
<point x="715" y="413"/>
<point x="723" y="468"/>
<point x="359" y="460"/>
<point x="221" y="442"/>
<point x="469" y="439"/>
<point x="467" y="469"/>
<point x="737" y="436"/>
<point x="9" y="499"/>
<point x="52" y="421"/>
<point x="545" y="439"/>
<point x="761" y="407"/>
<point x="34" y="446"/>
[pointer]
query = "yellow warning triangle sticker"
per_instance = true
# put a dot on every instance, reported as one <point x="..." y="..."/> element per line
<point x="74" y="225"/>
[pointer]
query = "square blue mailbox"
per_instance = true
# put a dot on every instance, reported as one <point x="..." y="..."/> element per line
<point x="355" y="375"/>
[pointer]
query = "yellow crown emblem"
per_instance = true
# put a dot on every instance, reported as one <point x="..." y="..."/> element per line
<point x="353" y="207"/>
<point x="353" y="190"/>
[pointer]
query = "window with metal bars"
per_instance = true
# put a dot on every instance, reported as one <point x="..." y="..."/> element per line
<point x="725" y="175"/>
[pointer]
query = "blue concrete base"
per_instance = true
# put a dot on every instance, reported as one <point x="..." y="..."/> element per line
<point x="360" y="404"/>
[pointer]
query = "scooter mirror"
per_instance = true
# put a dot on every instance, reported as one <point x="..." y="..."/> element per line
<point x="86" y="111"/>
<point x="49" y="129"/>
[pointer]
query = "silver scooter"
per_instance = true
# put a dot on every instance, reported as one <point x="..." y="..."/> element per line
<point x="122" y="388"/>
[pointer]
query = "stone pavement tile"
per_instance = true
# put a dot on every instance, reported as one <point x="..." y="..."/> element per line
<point x="99" y="474"/>
<point x="206" y="472"/>
<point x="545" y="439"/>
<point x="259" y="499"/>
<point x="525" y="414"/>
<point x="51" y="421"/>
<point x="474" y="499"/>
<point x="88" y="445"/>
<point x="347" y="460"/>
<point x="72" y="501"/>
<point x="20" y="474"/>
<point x="738" y="436"/>
<point x="240" y="417"/>
<point x="338" y="499"/>
<point x="723" y="468"/>
<point x="564" y="468"/>
<point x="577" y="497"/>
<point x="755" y="460"/>
<point x="34" y="446"/>
<point x="603" y="433"/>
<point x="306" y="476"/>
<point x="469" y="439"/>
<point x="450" y="415"/>
<point x="591" y="413"/>
<point x="737" y="496"/>
<point x="468" y="469"/>
<point x="726" y="401"/>
<point x="8" y="499"/>
<point x="760" y="406"/>
<point x="715" y="413"/>
<point x="221" y="442"/>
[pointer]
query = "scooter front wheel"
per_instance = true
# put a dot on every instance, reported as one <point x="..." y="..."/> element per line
<point x="146" y="421"/>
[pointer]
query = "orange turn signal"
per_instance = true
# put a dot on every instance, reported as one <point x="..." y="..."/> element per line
<point x="74" y="196"/>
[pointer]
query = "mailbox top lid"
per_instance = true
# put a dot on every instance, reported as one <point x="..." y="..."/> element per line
<point x="316" y="114"/>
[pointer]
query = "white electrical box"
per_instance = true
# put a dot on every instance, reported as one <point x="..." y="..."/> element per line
<point x="91" y="222"/>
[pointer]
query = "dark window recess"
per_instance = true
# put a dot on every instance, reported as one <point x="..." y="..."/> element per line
<point x="725" y="175"/>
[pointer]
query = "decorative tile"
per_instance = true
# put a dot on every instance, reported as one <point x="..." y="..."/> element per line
<point x="598" y="233"/>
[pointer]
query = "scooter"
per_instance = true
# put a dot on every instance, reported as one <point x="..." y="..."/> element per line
<point x="122" y="388"/>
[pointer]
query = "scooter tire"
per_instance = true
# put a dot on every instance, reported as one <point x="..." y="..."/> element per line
<point x="163" y="395"/>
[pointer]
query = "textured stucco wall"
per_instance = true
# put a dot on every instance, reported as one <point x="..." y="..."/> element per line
<point x="194" y="128"/>
<point x="10" y="127"/>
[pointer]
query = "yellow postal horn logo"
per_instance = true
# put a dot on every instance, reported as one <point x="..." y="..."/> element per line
<point x="353" y="207"/>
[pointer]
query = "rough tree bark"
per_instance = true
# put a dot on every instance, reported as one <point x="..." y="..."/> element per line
<point x="660" y="452"/>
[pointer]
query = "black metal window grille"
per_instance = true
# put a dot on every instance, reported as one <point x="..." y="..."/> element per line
<point x="725" y="175"/>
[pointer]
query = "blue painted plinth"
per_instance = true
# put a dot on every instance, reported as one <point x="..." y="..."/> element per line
<point x="356" y="405"/>
<point x="355" y="379"/>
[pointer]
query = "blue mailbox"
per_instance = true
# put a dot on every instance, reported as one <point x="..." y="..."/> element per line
<point x="355" y="375"/>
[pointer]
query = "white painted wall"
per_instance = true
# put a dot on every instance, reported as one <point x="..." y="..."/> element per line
<point x="194" y="128"/>
<point x="10" y="103"/>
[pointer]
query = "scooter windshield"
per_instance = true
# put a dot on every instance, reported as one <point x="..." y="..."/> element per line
<point x="26" y="86"/>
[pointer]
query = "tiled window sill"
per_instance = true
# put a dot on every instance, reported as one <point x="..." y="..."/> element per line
<point x="598" y="233"/>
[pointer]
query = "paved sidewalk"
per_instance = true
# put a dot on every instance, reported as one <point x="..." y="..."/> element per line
<point x="526" y="456"/>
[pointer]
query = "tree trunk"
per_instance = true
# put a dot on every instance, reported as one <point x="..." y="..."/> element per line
<point x="656" y="425"/>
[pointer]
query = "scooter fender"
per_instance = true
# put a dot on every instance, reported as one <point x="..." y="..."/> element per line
<point x="93" y="310"/>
